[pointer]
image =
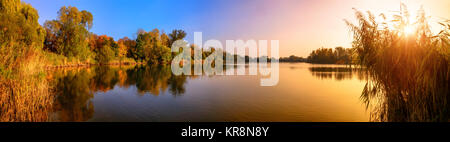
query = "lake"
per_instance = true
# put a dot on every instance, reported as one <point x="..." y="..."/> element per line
<point x="305" y="93"/>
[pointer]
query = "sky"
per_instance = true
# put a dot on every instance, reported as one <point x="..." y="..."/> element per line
<point x="300" y="25"/>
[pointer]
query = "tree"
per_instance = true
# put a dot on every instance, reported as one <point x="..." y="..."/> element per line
<point x="176" y="35"/>
<point x="129" y="44"/>
<point x="122" y="51"/>
<point x="150" y="48"/>
<point x="141" y="44"/>
<point x="104" y="54"/>
<point x="104" y="47"/>
<point x="67" y="35"/>
<point x="159" y="54"/>
<point x="339" y="55"/>
<point x="21" y="36"/>
<point x="342" y="55"/>
<point x="292" y="58"/>
<point x="165" y="40"/>
<point x="125" y="45"/>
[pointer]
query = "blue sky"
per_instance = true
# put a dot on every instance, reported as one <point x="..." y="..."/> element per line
<point x="119" y="18"/>
<point x="217" y="19"/>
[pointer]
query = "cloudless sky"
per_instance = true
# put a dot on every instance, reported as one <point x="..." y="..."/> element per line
<point x="299" y="25"/>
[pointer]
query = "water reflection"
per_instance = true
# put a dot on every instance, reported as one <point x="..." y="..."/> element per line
<point x="338" y="73"/>
<point x="75" y="88"/>
<point x="74" y="91"/>
<point x="153" y="93"/>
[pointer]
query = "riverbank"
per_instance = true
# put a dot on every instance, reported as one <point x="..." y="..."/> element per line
<point x="78" y="65"/>
<point x="59" y="61"/>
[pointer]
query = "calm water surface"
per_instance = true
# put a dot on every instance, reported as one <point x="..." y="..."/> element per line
<point x="304" y="93"/>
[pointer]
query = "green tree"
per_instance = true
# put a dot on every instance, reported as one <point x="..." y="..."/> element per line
<point x="141" y="44"/>
<point x="104" y="54"/>
<point x="68" y="34"/>
<point x="21" y="36"/>
<point x="104" y="47"/>
<point x="150" y="48"/>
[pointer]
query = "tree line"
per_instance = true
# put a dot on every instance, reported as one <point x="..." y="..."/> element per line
<point x="68" y="35"/>
<point x="338" y="55"/>
<point x="68" y="40"/>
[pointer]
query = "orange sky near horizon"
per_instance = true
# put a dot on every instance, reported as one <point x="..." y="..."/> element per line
<point x="304" y="26"/>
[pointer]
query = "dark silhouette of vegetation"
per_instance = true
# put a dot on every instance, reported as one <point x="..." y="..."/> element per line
<point x="339" y="73"/>
<point x="409" y="71"/>
<point x="292" y="58"/>
<point x="339" y="55"/>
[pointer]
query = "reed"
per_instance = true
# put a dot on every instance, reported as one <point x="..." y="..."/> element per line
<point x="26" y="99"/>
<point x="408" y="66"/>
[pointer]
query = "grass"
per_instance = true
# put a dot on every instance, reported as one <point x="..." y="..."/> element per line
<point x="26" y="98"/>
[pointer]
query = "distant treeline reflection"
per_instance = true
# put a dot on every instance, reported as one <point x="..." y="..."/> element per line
<point x="338" y="73"/>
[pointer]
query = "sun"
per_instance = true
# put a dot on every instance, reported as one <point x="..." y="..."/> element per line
<point x="409" y="30"/>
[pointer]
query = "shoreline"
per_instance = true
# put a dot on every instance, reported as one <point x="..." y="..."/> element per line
<point x="48" y="67"/>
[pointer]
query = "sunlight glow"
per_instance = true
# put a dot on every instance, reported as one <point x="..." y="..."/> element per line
<point x="409" y="30"/>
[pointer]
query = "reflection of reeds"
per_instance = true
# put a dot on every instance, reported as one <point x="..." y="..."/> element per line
<point x="409" y="72"/>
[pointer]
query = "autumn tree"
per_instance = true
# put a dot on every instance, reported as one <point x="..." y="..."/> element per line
<point x="124" y="47"/>
<point x="165" y="40"/>
<point x="150" y="48"/>
<point x="21" y="36"/>
<point x="176" y="35"/>
<point x="104" y="47"/>
<point x="129" y="44"/>
<point x="67" y="35"/>
<point x="122" y="51"/>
